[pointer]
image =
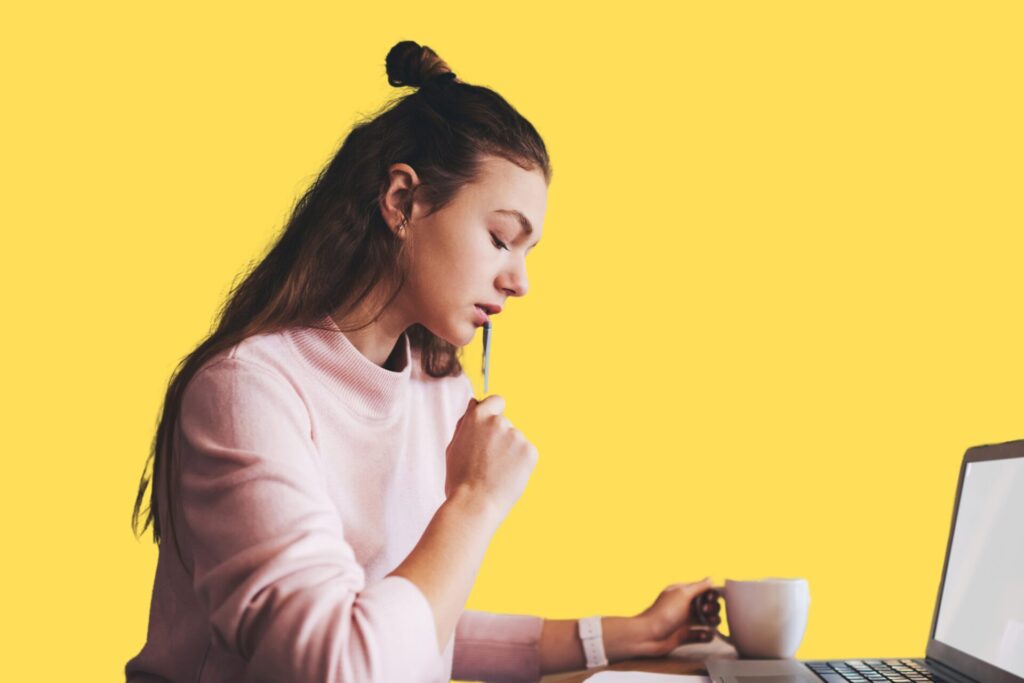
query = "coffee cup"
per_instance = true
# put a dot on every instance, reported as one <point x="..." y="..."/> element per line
<point x="767" y="617"/>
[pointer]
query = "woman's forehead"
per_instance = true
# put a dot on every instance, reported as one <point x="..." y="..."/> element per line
<point x="505" y="187"/>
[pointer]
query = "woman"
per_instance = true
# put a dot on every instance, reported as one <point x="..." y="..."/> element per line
<point x="318" y="534"/>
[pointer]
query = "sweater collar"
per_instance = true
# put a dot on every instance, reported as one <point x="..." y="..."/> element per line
<point x="372" y="391"/>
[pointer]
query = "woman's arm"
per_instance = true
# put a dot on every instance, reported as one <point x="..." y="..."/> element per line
<point x="519" y="647"/>
<point x="271" y="566"/>
<point x="445" y="562"/>
<point x="561" y="649"/>
<point x="488" y="464"/>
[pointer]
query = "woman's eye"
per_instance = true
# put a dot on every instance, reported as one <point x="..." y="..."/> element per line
<point x="498" y="243"/>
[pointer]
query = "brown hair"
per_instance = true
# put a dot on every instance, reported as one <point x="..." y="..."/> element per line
<point x="336" y="247"/>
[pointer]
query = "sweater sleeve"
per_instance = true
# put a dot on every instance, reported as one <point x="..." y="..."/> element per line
<point x="499" y="648"/>
<point x="271" y="566"/>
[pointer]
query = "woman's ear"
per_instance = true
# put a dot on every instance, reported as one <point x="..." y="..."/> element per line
<point x="397" y="201"/>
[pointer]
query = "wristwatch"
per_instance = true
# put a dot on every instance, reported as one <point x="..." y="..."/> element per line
<point x="593" y="642"/>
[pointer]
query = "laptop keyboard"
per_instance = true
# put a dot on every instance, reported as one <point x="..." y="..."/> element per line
<point x="874" y="671"/>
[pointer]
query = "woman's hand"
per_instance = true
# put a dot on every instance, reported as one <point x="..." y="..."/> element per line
<point x="488" y="459"/>
<point x="671" y="621"/>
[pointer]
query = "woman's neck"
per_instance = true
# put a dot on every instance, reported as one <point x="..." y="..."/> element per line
<point x="380" y="341"/>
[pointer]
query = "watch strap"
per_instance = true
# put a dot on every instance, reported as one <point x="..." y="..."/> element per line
<point x="593" y="641"/>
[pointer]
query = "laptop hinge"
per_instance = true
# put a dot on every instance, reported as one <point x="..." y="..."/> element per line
<point x="947" y="672"/>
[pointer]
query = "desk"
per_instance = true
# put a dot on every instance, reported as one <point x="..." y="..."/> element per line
<point x="685" y="659"/>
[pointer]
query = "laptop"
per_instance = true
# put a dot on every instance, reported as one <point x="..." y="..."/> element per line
<point x="977" y="633"/>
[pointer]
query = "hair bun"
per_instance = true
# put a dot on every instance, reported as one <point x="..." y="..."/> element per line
<point x="409" y="63"/>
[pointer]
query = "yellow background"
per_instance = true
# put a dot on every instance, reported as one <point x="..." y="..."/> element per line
<point x="778" y="293"/>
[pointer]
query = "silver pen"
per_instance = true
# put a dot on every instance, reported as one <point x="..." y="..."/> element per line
<point x="487" y="353"/>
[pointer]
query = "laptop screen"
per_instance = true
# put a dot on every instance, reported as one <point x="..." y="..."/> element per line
<point x="981" y="611"/>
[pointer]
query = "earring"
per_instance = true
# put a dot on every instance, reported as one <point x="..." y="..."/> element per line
<point x="401" y="226"/>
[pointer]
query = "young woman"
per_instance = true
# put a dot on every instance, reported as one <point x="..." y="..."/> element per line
<point x="327" y="480"/>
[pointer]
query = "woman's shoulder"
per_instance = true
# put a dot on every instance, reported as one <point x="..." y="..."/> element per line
<point x="263" y="357"/>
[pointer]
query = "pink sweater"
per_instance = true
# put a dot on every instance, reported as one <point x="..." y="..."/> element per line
<point x="308" y="474"/>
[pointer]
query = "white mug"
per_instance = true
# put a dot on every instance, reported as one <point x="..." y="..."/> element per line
<point x="767" y="618"/>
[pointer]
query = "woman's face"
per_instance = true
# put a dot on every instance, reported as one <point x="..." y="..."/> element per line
<point x="472" y="253"/>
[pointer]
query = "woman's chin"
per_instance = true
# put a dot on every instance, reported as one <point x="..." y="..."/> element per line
<point x="468" y="335"/>
<point x="466" y="338"/>
<point x="461" y="336"/>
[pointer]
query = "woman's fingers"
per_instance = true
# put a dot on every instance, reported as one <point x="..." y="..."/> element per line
<point x="699" y="634"/>
<point x="705" y="608"/>
<point x="710" y="606"/>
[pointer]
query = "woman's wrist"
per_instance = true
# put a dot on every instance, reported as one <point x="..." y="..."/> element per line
<point x="561" y="648"/>
<point x="467" y="503"/>
<point x="624" y="637"/>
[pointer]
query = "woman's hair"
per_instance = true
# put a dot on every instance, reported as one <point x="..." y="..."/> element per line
<point x="336" y="248"/>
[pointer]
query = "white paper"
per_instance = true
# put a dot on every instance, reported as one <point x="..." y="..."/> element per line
<point x="643" y="677"/>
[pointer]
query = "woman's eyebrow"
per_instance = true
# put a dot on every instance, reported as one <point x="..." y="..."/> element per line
<point x="524" y="222"/>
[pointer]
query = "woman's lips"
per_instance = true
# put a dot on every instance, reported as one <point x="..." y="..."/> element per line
<point x="481" y="318"/>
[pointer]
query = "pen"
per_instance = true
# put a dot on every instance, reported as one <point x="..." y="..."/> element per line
<point x="487" y="353"/>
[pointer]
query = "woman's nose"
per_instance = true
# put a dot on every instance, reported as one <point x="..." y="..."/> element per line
<point x="515" y="283"/>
